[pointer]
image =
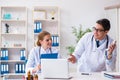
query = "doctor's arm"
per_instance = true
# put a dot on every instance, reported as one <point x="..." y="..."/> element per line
<point x="111" y="58"/>
<point x="79" y="49"/>
<point x="31" y="66"/>
<point x="77" y="53"/>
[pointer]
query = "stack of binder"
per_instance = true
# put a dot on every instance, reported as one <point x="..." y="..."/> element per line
<point x="4" y="54"/>
<point x="4" y="68"/>
<point x="37" y="27"/>
<point x="19" y="68"/>
<point x="55" y="40"/>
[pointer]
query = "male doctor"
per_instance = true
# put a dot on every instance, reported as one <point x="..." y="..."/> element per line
<point x="95" y="52"/>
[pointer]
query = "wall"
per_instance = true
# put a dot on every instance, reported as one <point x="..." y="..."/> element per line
<point x="73" y="13"/>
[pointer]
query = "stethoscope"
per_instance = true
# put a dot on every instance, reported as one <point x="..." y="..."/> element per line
<point x="106" y="45"/>
<point x="49" y="49"/>
<point x="106" y="42"/>
<point x="40" y="52"/>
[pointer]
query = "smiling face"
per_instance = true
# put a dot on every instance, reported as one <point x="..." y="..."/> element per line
<point x="99" y="32"/>
<point x="46" y="42"/>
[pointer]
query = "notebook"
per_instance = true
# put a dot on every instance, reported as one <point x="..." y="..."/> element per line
<point x="49" y="56"/>
<point x="55" y="69"/>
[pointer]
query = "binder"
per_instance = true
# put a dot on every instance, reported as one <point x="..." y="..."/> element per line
<point x="35" y="27"/>
<point x="20" y="68"/>
<point x="7" y="68"/>
<point x="22" y="57"/>
<point x="57" y="41"/>
<point x="16" y="68"/>
<point x="52" y="40"/>
<point x="6" y="54"/>
<point x="1" y="54"/>
<point x="2" y="68"/>
<point x="39" y="27"/>
<point x="23" y="68"/>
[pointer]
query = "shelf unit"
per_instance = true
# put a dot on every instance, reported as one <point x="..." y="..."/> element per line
<point x="47" y="18"/>
<point x="13" y="39"/>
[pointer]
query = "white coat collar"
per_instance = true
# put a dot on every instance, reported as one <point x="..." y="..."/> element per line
<point x="102" y="46"/>
<point x="44" y="51"/>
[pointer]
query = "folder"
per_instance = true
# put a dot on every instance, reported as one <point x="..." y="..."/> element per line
<point x="49" y="56"/>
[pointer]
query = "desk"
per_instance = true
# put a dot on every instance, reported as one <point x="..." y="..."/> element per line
<point x="78" y="76"/>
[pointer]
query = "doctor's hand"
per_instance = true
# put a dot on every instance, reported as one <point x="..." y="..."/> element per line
<point x="110" y="50"/>
<point x="37" y="68"/>
<point x="72" y="59"/>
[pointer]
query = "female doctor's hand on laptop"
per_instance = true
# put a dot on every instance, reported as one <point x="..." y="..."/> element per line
<point x="72" y="58"/>
<point x="36" y="69"/>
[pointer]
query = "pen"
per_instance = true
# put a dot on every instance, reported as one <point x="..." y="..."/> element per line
<point x="108" y="75"/>
<point x="113" y="43"/>
<point x="85" y="73"/>
<point x="112" y="76"/>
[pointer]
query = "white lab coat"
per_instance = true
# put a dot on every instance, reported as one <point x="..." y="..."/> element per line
<point x="34" y="57"/>
<point x="93" y="59"/>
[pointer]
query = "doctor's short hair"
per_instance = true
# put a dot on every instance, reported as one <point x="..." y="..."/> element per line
<point x="41" y="36"/>
<point x="105" y="23"/>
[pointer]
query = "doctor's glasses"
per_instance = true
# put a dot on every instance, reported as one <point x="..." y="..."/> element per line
<point x="47" y="40"/>
<point x="98" y="30"/>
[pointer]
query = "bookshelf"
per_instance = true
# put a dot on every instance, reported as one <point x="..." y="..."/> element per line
<point x="47" y="18"/>
<point x="13" y="39"/>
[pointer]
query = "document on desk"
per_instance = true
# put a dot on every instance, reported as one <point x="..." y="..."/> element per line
<point x="87" y="76"/>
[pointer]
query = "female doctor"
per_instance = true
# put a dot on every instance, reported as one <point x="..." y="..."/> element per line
<point x="94" y="57"/>
<point x="44" y="45"/>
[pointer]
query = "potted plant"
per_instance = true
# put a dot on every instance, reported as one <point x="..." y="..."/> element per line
<point x="78" y="34"/>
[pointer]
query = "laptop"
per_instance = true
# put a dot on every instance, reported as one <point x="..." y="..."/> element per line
<point x="55" y="68"/>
